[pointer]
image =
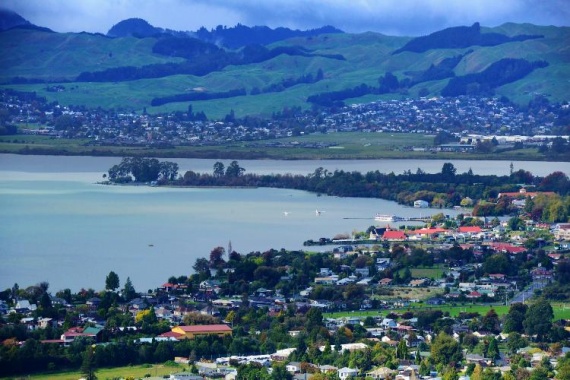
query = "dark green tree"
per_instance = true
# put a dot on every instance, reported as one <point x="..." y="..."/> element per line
<point x="513" y="321"/>
<point x="112" y="281"/>
<point x="88" y="364"/>
<point x="538" y="319"/>
<point x="129" y="291"/>
<point x="490" y="322"/>
<point x="448" y="171"/>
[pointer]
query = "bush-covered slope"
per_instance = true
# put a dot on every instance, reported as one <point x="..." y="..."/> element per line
<point x="122" y="72"/>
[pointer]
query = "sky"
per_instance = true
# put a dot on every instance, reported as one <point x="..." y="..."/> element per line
<point x="390" y="17"/>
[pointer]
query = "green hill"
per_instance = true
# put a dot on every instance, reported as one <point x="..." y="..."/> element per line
<point x="34" y="60"/>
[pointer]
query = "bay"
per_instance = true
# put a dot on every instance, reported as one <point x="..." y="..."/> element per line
<point x="58" y="225"/>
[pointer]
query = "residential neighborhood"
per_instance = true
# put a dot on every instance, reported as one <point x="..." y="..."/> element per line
<point x="467" y="121"/>
<point x="384" y="293"/>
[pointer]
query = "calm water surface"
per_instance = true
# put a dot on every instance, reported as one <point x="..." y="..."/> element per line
<point x="58" y="225"/>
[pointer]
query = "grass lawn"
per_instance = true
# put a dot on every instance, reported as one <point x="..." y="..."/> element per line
<point x="137" y="371"/>
<point x="432" y="272"/>
<point x="561" y="310"/>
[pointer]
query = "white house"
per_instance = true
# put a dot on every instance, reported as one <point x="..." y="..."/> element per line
<point x="420" y="203"/>
<point x="345" y="373"/>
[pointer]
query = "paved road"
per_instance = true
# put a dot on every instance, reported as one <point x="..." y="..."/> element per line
<point x="528" y="292"/>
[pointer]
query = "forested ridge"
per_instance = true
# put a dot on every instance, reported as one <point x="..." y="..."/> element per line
<point x="460" y="37"/>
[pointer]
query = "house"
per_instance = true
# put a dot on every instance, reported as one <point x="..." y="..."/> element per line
<point x="407" y="373"/>
<point x="435" y="301"/>
<point x="420" y="203"/>
<point x="328" y="368"/>
<point x="293" y="367"/>
<point x="381" y="373"/>
<point x="24" y="306"/>
<point x="507" y="248"/>
<point x="382" y="263"/>
<point x="390" y="235"/>
<point x="190" y="332"/>
<point x="562" y="231"/>
<point x="388" y="323"/>
<point x="76" y="332"/>
<point x="377" y="232"/>
<point x="362" y="272"/>
<point x="345" y="373"/>
<point x="93" y="302"/>
<point x="469" y="230"/>
<point x="429" y="232"/>
<point x="185" y="376"/>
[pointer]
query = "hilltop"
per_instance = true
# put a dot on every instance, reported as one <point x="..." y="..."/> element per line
<point x="261" y="71"/>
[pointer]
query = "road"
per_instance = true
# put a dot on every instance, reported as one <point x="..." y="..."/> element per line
<point x="528" y="292"/>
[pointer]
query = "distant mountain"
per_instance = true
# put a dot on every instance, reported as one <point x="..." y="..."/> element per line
<point x="241" y="35"/>
<point x="277" y="68"/>
<point x="9" y="19"/>
<point x="133" y="27"/>
<point x="231" y="38"/>
<point x="460" y="37"/>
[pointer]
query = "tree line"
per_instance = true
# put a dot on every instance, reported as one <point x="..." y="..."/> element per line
<point x="441" y="190"/>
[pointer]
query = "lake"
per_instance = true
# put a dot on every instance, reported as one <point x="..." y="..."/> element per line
<point x="60" y="226"/>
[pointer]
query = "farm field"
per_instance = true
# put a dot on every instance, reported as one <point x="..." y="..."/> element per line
<point x="137" y="371"/>
<point x="347" y="145"/>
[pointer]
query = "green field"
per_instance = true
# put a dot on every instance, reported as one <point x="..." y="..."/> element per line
<point x="137" y="371"/>
<point x="561" y="310"/>
<point x="434" y="272"/>
<point x="348" y="145"/>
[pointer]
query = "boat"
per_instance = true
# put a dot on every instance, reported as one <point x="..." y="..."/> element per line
<point x="388" y="218"/>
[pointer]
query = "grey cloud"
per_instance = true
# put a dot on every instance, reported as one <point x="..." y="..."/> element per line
<point x="394" y="17"/>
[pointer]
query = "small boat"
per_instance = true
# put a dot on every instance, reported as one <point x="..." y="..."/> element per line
<point x="388" y="218"/>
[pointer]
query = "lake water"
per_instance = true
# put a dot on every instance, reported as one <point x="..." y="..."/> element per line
<point x="58" y="225"/>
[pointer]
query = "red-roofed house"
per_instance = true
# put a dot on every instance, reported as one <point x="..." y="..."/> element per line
<point x="507" y="248"/>
<point x="390" y="235"/>
<point x="172" y="334"/>
<point x="470" y="230"/>
<point x="190" y="332"/>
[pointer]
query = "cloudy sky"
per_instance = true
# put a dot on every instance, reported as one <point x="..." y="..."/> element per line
<point x="392" y="17"/>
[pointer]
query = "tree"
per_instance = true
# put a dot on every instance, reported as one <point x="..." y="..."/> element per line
<point x="493" y="349"/>
<point x="448" y="171"/>
<point x="112" y="281"/>
<point x="219" y="169"/>
<point x="168" y="170"/>
<point x="538" y="319"/>
<point x="234" y="170"/>
<point x="402" y="350"/>
<point x="202" y="267"/>
<point x="280" y="373"/>
<point x="314" y="318"/>
<point x="129" y="291"/>
<point x="88" y="364"/>
<point x="445" y="350"/>
<point x="216" y="257"/>
<point x="513" y="321"/>
<point x="490" y="322"/>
